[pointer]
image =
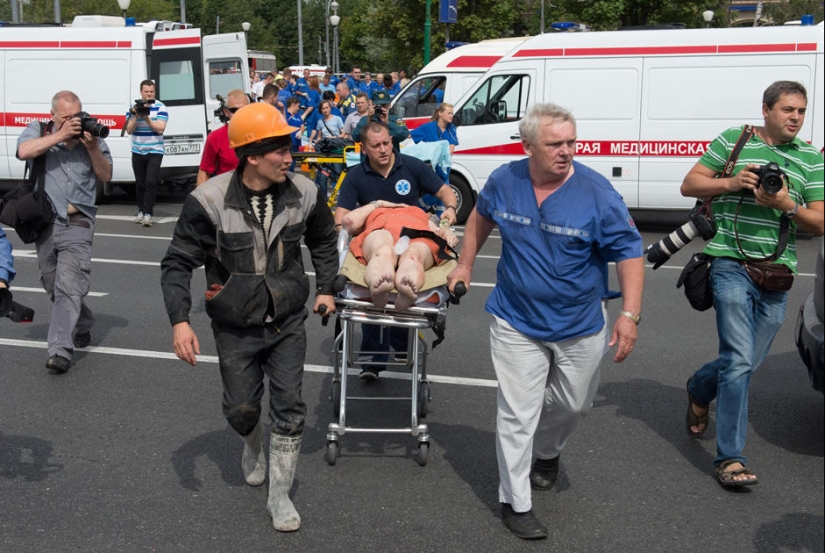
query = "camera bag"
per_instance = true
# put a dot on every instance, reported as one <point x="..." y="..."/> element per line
<point x="27" y="208"/>
<point x="696" y="274"/>
<point x="696" y="278"/>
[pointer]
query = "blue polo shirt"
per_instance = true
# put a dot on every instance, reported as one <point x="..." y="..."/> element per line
<point x="408" y="179"/>
<point x="431" y="132"/>
<point x="552" y="274"/>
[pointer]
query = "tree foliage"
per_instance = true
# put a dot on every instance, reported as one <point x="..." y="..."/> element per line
<point x="388" y="35"/>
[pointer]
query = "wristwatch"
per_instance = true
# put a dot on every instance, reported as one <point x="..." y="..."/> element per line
<point x="632" y="316"/>
<point x="792" y="213"/>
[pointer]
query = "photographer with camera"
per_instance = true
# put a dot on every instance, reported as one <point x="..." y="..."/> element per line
<point x="75" y="160"/>
<point x="146" y="121"/>
<point x="756" y="221"/>
<point x="379" y="112"/>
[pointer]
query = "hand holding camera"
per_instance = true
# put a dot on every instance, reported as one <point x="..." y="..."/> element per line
<point x="142" y="108"/>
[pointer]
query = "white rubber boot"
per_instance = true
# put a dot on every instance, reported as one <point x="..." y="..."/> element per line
<point x="253" y="463"/>
<point x="283" y="458"/>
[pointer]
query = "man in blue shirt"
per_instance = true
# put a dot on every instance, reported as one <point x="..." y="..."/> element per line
<point x="354" y="79"/>
<point x="387" y="174"/>
<point x="560" y="223"/>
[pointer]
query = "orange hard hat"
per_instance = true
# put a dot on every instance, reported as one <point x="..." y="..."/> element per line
<point x="256" y="122"/>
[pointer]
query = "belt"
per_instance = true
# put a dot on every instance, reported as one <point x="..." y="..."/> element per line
<point x="79" y="220"/>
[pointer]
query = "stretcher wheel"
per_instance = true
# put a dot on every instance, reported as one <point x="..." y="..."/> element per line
<point x="423" y="398"/>
<point x="332" y="452"/>
<point x="336" y="398"/>
<point x="423" y="452"/>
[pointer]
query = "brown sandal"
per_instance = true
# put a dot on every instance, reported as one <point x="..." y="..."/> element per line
<point x="692" y="419"/>
<point x="727" y="477"/>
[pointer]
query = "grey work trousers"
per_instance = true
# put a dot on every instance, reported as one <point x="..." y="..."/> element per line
<point x="64" y="254"/>
<point x="246" y="355"/>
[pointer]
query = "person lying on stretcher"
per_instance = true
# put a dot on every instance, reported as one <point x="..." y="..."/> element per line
<point x="391" y="263"/>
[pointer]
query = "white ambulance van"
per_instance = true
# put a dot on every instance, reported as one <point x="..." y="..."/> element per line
<point x="103" y="62"/>
<point x="447" y="77"/>
<point x="647" y="103"/>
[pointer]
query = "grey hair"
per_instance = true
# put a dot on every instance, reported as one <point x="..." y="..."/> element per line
<point x="66" y="95"/>
<point x="528" y="127"/>
<point x="777" y="89"/>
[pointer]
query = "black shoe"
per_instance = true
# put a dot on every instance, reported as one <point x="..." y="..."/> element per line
<point x="369" y="375"/>
<point x="543" y="474"/>
<point x="82" y="340"/>
<point x="58" y="364"/>
<point x="524" y="525"/>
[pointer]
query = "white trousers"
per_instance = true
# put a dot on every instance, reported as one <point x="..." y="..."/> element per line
<point x="544" y="391"/>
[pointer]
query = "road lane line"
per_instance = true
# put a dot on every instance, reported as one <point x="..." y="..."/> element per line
<point x="16" y="289"/>
<point x="213" y="359"/>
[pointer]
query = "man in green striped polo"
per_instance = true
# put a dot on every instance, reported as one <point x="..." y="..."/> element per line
<point x="749" y="218"/>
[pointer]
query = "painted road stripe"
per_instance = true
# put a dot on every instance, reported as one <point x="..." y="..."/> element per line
<point x="213" y="359"/>
<point x="16" y="289"/>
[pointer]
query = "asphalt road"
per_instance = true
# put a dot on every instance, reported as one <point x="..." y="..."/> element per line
<point x="129" y="451"/>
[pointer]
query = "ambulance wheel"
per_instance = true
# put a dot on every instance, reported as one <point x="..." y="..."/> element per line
<point x="423" y="452"/>
<point x="332" y="452"/>
<point x="423" y="398"/>
<point x="336" y="398"/>
<point x="465" y="200"/>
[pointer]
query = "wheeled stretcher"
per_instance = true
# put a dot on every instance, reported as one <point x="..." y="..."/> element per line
<point x="353" y="307"/>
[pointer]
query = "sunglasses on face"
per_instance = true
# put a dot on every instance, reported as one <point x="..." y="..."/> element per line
<point x="232" y="110"/>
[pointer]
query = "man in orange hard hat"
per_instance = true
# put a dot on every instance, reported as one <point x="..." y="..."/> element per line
<point x="245" y="228"/>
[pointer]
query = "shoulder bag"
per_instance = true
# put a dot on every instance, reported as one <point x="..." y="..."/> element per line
<point x="27" y="208"/>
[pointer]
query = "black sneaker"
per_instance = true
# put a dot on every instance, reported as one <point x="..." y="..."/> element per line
<point x="369" y="375"/>
<point x="82" y="340"/>
<point x="58" y="364"/>
<point x="543" y="474"/>
<point x="524" y="525"/>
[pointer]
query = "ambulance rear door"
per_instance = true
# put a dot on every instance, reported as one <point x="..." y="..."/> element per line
<point x="226" y="68"/>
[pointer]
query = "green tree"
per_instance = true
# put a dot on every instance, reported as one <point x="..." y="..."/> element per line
<point x="793" y="10"/>
<point x="611" y="14"/>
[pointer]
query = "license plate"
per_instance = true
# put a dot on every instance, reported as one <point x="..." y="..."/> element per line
<point x="178" y="149"/>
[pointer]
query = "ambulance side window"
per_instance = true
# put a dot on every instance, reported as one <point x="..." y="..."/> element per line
<point x="224" y="76"/>
<point x="500" y="98"/>
<point x="178" y="73"/>
<point x="421" y="98"/>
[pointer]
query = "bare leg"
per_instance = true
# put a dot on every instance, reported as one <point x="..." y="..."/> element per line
<point x="409" y="278"/>
<point x="378" y="250"/>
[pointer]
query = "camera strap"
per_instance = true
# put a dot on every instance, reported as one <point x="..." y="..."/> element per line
<point x="703" y="204"/>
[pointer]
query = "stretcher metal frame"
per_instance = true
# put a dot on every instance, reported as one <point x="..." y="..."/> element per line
<point x="346" y="358"/>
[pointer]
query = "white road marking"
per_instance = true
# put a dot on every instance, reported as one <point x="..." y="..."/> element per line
<point x="213" y="359"/>
<point x="16" y="289"/>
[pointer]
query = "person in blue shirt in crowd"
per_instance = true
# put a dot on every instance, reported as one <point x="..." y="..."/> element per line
<point x="346" y="99"/>
<point x="379" y="112"/>
<point x="395" y="87"/>
<point x="560" y="224"/>
<point x="368" y="85"/>
<point x="295" y="119"/>
<point x="326" y="84"/>
<point x="333" y="80"/>
<point x="283" y="94"/>
<point x="354" y="79"/>
<point x="440" y="127"/>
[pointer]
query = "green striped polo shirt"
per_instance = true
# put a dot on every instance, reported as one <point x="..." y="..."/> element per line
<point x="758" y="226"/>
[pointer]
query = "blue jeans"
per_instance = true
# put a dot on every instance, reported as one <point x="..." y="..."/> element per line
<point x="747" y="320"/>
<point x="380" y="338"/>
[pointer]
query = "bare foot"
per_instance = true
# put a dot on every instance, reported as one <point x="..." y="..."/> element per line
<point x="408" y="281"/>
<point x="379" y="277"/>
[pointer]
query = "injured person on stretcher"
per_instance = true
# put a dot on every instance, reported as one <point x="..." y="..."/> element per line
<point x="397" y="243"/>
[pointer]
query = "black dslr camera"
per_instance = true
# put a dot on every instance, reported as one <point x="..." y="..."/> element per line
<point x="219" y="113"/>
<point x="13" y="310"/>
<point x="380" y="111"/>
<point x="771" y="177"/>
<point x="90" y="125"/>
<point x="142" y="107"/>
<point x="700" y="224"/>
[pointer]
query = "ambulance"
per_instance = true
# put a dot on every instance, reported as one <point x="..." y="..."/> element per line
<point x="647" y="102"/>
<point x="447" y="77"/>
<point x="103" y="62"/>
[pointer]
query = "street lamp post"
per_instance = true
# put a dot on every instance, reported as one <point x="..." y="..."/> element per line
<point x="300" y="36"/>
<point x="331" y="4"/>
<point x="334" y="20"/>
<point x="124" y="5"/>
<point x="707" y="15"/>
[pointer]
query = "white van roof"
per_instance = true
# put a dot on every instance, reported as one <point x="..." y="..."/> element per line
<point x="666" y="42"/>
<point x="479" y="56"/>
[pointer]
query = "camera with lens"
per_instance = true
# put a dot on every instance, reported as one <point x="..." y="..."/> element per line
<point x="219" y="113"/>
<point x="13" y="310"/>
<point x="90" y="125"/>
<point x="699" y="224"/>
<point x="771" y="177"/>
<point x="142" y="107"/>
<point x="380" y="111"/>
